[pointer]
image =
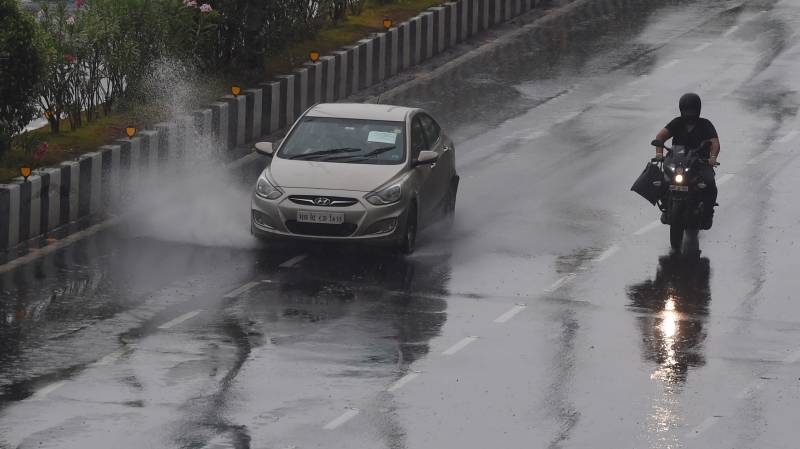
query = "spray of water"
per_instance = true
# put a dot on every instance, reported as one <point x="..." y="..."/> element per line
<point x="193" y="199"/>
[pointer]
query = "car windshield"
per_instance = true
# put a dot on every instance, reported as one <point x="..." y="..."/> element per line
<point x="326" y="139"/>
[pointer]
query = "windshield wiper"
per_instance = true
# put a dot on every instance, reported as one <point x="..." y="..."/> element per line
<point x="325" y="152"/>
<point x="372" y="153"/>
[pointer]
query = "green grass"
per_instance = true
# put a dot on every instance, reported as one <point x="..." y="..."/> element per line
<point x="347" y="32"/>
<point x="66" y="145"/>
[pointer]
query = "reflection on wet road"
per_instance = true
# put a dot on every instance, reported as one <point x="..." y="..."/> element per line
<point x="552" y="315"/>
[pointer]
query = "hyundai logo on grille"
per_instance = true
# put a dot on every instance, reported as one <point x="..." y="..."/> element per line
<point x="322" y="201"/>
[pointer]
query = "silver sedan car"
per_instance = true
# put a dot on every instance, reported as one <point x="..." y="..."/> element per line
<point x="357" y="172"/>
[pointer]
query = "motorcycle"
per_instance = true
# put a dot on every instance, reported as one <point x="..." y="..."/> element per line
<point x="681" y="203"/>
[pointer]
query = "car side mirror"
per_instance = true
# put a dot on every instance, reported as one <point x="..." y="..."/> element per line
<point x="426" y="158"/>
<point x="657" y="143"/>
<point x="264" y="148"/>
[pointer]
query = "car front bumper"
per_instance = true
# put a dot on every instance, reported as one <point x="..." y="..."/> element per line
<point x="277" y="219"/>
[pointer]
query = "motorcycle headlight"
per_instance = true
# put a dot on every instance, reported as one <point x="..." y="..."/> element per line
<point x="679" y="178"/>
<point x="266" y="190"/>
<point x="387" y="195"/>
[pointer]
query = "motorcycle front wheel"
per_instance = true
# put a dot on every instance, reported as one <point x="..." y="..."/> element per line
<point x="676" y="236"/>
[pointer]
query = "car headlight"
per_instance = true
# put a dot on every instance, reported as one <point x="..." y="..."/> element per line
<point x="388" y="195"/>
<point x="266" y="190"/>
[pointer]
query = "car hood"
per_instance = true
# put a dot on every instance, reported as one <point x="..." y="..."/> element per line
<point x="331" y="175"/>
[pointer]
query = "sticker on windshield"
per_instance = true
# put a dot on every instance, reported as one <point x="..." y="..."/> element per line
<point x="382" y="137"/>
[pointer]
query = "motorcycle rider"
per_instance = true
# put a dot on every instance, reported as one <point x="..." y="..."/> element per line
<point x="690" y="130"/>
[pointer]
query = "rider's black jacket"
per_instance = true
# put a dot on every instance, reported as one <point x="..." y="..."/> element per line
<point x="691" y="138"/>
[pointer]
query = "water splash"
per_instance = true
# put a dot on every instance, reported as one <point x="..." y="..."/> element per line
<point x="194" y="199"/>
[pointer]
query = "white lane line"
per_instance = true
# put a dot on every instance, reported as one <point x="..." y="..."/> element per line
<point x="701" y="47"/>
<point x="602" y="98"/>
<point x="510" y="314"/>
<point x="403" y="381"/>
<point x="731" y="30"/>
<point x="749" y="390"/>
<point x="460" y="345"/>
<point x="670" y="64"/>
<point x="240" y="290"/>
<point x="109" y="358"/>
<point x="346" y="416"/>
<point x="41" y="394"/>
<point x="650" y="226"/>
<point x="560" y="283"/>
<point x="792" y="358"/>
<point x="607" y="253"/>
<point x="724" y="178"/>
<point x="181" y="319"/>
<point x="567" y="117"/>
<point x="788" y="137"/>
<point x="759" y="157"/>
<point x="637" y="80"/>
<point x="534" y="135"/>
<point x="705" y="425"/>
<point x="293" y="261"/>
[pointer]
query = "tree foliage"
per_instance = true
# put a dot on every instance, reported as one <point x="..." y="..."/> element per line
<point x="21" y="67"/>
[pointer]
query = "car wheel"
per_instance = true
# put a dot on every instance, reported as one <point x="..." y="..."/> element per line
<point x="408" y="239"/>
<point x="449" y="212"/>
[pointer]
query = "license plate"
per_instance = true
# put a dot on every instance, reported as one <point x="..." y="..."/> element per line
<point x="305" y="216"/>
<point x="679" y="188"/>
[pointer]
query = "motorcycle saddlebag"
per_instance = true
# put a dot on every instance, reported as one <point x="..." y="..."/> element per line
<point x="644" y="184"/>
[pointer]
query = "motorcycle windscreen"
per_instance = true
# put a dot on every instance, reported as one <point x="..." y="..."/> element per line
<point x="650" y="184"/>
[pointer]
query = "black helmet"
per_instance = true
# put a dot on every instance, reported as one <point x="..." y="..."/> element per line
<point x="689" y="105"/>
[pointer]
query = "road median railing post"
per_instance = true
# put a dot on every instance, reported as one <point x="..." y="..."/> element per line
<point x="254" y="99"/>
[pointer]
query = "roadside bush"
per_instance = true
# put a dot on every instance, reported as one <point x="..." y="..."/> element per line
<point x="21" y="68"/>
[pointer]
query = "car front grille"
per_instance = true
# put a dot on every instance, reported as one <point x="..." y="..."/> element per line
<point x="332" y="201"/>
<point x="321" y="230"/>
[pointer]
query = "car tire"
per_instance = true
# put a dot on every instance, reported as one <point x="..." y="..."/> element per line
<point x="408" y="234"/>
<point x="449" y="212"/>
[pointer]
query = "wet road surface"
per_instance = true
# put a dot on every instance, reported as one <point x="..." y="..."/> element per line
<point x="553" y="316"/>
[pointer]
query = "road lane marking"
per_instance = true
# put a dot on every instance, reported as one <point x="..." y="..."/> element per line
<point x="403" y="381"/>
<point x="41" y="394"/>
<point x="346" y="416"/>
<point x="235" y="293"/>
<point x="705" y="425"/>
<point x="701" y="47"/>
<point x="731" y="30"/>
<point x="108" y="359"/>
<point x="759" y="157"/>
<point x="460" y="345"/>
<point x="792" y="358"/>
<point x="567" y="117"/>
<point x="181" y="319"/>
<point x="510" y="314"/>
<point x="293" y="261"/>
<point x="749" y="390"/>
<point x="649" y="227"/>
<point x="534" y="135"/>
<point x="607" y="253"/>
<point x="788" y="137"/>
<point x="670" y="64"/>
<point x="560" y="283"/>
<point x="637" y="80"/>
<point x="724" y="178"/>
<point x="603" y="98"/>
